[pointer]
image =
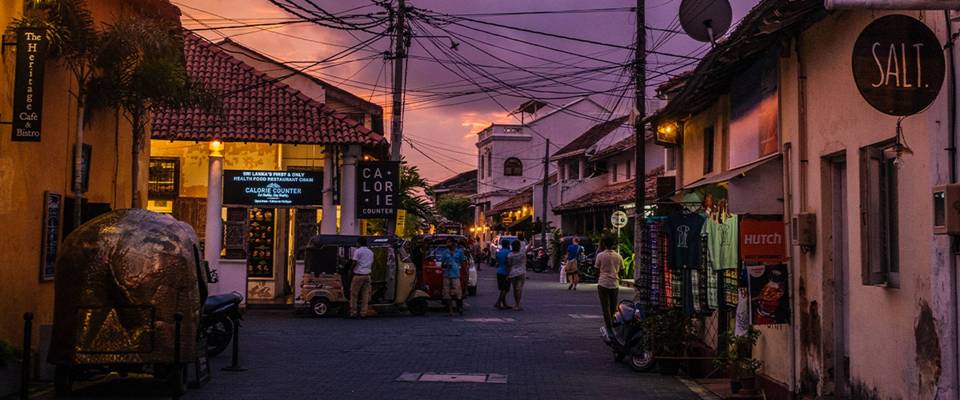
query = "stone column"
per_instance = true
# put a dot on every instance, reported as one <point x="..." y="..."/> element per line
<point x="348" y="194"/>
<point x="213" y="232"/>
<point x="328" y="225"/>
<point x="582" y="168"/>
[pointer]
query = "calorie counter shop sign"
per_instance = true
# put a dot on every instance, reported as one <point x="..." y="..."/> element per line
<point x="378" y="183"/>
<point x="898" y="65"/>
<point x="272" y="188"/>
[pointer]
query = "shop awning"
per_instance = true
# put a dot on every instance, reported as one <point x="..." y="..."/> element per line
<point x="732" y="174"/>
<point x="255" y="107"/>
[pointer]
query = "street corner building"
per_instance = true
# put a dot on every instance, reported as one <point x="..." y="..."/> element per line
<point x="830" y="136"/>
<point x="256" y="177"/>
<point x="38" y="126"/>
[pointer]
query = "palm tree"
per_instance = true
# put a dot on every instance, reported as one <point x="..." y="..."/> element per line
<point x="413" y="190"/>
<point x="142" y="66"/>
<point x="73" y="38"/>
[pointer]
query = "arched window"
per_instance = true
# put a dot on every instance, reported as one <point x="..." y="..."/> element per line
<point x="512" y="167"/>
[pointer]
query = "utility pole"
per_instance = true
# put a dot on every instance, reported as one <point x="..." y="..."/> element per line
<point x="399" y="57"/>
<point x="640" y="80"/>
<point x="543" y="201"/>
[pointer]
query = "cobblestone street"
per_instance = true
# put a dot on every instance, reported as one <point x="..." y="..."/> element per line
<point x="551" y="350"/>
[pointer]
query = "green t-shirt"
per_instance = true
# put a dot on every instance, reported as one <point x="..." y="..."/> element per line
<point x="722" y="240"/>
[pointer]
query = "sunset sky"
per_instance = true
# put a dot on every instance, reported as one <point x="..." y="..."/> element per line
<point x="439" y="115"/>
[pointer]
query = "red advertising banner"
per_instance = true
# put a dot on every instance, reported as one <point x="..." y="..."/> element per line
<point x="762" y="241"/>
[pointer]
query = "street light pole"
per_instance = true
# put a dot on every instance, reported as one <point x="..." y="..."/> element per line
<point x="640" y="79"/>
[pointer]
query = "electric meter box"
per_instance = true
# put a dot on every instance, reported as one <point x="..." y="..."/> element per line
<point x="946" y="209"/>
<point x="804" y="230"/>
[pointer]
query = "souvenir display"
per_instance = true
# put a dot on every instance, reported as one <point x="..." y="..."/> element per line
<point x="260" y="241"/>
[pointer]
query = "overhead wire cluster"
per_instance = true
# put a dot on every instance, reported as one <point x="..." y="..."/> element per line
<point x="490" y="62"/>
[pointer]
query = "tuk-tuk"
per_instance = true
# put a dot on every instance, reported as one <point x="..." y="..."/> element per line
<point x="430" y="277"/>
<point x="325" y="286"/>
<point x="121" y="278"/>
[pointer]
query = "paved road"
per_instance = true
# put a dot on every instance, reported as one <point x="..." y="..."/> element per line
<point x="551" y="350"/>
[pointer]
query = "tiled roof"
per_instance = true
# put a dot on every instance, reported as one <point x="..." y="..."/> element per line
<point x="255" y="108"/>
<point x="626" y="144"/>
<point x="590" y="137"/>
<point x="612" y="195"/>
<point x="517" y="201"/>
<point x="464" y="182"/>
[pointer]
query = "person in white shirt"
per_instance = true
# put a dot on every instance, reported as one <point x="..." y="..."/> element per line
<point x="360" y="284"/>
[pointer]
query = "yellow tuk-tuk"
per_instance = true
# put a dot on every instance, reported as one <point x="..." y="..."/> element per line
<point x="326" y="279"/>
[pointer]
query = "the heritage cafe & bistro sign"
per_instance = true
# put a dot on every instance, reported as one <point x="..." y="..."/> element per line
<point x="28" y="84"/>
<point x="898" y="65"/>
<point x="272" y="188"/>
<point x="378" y="184"/>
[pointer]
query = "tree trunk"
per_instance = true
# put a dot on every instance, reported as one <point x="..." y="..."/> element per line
<point x="137" y="130"/>
<point x="78" y="166"/>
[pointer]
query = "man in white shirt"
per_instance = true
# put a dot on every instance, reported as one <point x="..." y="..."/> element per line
<point x="360" y="284"/>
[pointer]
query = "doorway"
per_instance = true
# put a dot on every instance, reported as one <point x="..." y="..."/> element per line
<point x="836" y="275"/>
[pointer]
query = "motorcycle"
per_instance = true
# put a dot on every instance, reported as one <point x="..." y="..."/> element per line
<point x="537" y="259"/>
<point x="221" y="316"/>
<point x="625" y="337"/>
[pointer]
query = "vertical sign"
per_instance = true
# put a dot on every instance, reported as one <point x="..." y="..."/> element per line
<point x="52" y="203"/>
<point x="378" y="184"/>
<point x="28" y="84"/>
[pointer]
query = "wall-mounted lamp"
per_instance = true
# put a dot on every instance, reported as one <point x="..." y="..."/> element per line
<point x="667" y="133"/>
<point x="216" y="148"/>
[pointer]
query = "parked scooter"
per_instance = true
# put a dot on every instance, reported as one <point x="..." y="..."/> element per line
<point x="221" y="316"/>
<point x="537" y="260"/>
<point x="625" y="337"/>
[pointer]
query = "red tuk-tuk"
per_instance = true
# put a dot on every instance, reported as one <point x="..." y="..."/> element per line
<point x="430" y="275"/>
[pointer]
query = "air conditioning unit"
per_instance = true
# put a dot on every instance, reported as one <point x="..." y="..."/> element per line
<point x="946" y="209"/>
<point x="804" y="230"/>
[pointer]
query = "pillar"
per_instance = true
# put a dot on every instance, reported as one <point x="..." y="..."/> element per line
<point x="328" y="225"/>
<point x="213" y="232"/>
<point x="348" y="194"/>
<point x="582" y="168"/>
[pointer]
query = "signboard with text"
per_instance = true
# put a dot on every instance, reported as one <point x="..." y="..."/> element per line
<point x="52" y="203"/>
<point x="378" y="185"/>
<point x="28" y="84"/>
<point x="762" y="240"/>
<point x="272" y="188"/>
<point x="898" y="65"/>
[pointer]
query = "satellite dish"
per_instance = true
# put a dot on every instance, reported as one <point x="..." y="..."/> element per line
<point x="705" y="20"/>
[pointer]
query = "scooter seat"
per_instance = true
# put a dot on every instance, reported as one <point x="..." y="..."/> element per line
<point x="217" y="302"/>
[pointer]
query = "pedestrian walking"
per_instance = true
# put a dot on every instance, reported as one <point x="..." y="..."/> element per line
<point x="476" y="253"/>
<point x="517" y="264"/>
<point x="451" y="258"/>
<point x="360" y="283"/>
<point x="571" y="267"/>
<point x="608" y="283"/>
<point x="503" y="280"/>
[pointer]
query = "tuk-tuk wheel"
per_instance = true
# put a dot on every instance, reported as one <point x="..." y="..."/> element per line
<point x="320" y="307"/>
<point x="417" y="306"/>
<point x="62" y="380"/>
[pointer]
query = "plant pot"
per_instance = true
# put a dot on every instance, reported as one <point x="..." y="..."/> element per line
<point x="735" y="386"/>
<point x="748" y="384"/>
<point x="668" y="366"/>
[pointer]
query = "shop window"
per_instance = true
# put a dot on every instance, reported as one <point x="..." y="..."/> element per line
<point x="235" y="233"/>
<point x="164" y="181"/>
<point x="306" y="228"/>
<point x="512" y="167"/>
<point x="878" y="222"/>
<point x="708" y="144"/>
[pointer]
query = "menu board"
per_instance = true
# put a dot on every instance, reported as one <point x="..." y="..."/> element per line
<point x="272" y="188"/>
<point x="260" y="240"/>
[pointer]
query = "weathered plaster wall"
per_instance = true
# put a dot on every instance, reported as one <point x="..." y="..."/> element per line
<point x="193" y="160"/>
<point x="896" y="337"/>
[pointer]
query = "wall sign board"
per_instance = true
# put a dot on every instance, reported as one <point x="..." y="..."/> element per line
<point x="272" y="188"/>
<point x="378" y="184"/>
<point x="898" y="65"/>
<point x="28" y="84"/>
<point x="50" y="242"/>
<point x="762" y="240"/>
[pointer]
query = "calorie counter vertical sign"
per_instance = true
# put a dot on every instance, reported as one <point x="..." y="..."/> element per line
<point x="378" y="183"/>
<point x="28" y="85"/>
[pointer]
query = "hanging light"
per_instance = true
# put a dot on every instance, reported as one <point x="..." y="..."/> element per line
<point x="900" y="147"/>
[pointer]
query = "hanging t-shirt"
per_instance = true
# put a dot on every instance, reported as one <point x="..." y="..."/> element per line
<point x="722" y="242"/>
<point x="685" y="231"/>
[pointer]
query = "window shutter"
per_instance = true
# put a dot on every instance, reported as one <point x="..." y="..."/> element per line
<point x="871" y="163"/>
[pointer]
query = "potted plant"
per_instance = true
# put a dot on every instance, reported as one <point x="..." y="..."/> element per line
<point x="738" y="362"/>
<point x="665" y="334"/>
<point x="9" y="369"/>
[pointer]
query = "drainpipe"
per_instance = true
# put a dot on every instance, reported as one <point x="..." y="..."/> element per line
<point x="801" y="261"/>
<point x="952" y="157"/>
<point x="893" y="4"/>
